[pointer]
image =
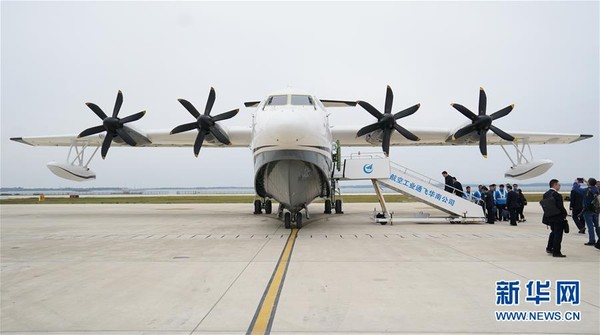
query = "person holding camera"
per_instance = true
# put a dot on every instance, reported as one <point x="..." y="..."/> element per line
<point x="557" y="221"/>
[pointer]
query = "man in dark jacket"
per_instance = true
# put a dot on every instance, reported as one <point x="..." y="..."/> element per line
<point x="556" y="222"/>
<point x="488" y="198"/>
<point x="512" y="202"/>
<point x="458" y="189"/>
<point x="576" y="205"/>
<point x="589" y="214"/>
<point x="448" y="182"/>
<point x="522" y="203"/>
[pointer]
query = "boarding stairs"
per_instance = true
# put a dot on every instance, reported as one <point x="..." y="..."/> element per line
<point x="382" y="172"/>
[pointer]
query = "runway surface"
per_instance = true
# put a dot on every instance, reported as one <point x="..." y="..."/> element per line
<point x="206" y="269"/>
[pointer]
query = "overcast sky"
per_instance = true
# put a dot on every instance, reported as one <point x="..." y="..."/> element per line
<point x="541" y="56"/>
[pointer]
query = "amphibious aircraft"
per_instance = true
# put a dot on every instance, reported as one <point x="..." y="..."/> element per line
<point x="295" y="148"/>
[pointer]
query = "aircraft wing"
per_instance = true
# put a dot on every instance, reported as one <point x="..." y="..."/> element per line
<point x="438" y="137"/>
<point x="239" y="137"/>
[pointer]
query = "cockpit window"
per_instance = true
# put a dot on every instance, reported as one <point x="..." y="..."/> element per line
<point x="277" y="100"/>
<point x="302" y="100"/>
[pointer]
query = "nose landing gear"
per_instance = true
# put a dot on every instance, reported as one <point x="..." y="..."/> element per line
<point x="289" y="218"/>
<point x="295" y="218"/>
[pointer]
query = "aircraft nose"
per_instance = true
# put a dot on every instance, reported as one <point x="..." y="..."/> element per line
<point x="287" y="131"/>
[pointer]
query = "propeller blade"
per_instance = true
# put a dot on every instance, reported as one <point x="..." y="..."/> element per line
<point x="96" y="110"/>
<point x="118" y="104"/>
<point x="464" y="111"/>
<point x="133" y="117"/>
<point x="106" y="144"/>
<point x="225" y="116"/>
<point x="502" y="134"/>
<point x="482" y="101"/>
<point x="503" y="112"/>
<point x="369" y="108"/>
<point x="367" y="129"/>
<point x="385" y="144"/>
<point x="190" y="108"/>
<point x="407" y="112"/>
<point x="91" y="131"/>
<point x="198" y="142"/>
<point x="464" y="131"/>
<point x="184" y="127"/>
<point x="406" y="133"/>
<point x="126" y="137"/>
<point x="389" y="99"/>
<point x="483" y="144"/>
<point x="219" y="134"/>
<point x="210" y="102"/>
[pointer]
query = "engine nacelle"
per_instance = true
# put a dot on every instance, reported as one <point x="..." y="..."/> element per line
<point x="71" y="172"/>
<point x="529" y="170"/>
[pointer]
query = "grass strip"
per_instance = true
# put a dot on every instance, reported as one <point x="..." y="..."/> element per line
<point x="201" y="199"/>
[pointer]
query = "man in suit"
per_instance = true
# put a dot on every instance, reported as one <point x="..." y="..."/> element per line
<point x="458" y="189"/>
<point x="488" y="198"/>
<point x="448" y="182"/>
<point x="576" y="205"/>
<point x="479" y="196"/>
<point x="512" y="202"/>
<point x="556" y="222"/>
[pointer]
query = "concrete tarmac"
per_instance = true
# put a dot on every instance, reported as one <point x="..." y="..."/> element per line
<point x="203" y="269"/>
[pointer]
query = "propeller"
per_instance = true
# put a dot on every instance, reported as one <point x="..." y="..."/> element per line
<point x="112" y="125"/>
<point x="482" y="122"/>
<point x="205" y="123"/>
<point x="387" y="121"/>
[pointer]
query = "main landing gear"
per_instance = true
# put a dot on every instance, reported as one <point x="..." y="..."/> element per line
<point x="327" y="206"/>
<point x="337" y="205"/>
<point x="334" y="192"/>
<point x="335" y="200"/>
<point x="259" y="205"/>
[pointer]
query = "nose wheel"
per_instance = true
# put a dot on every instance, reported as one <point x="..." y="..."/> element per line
<point x="289" y="219"/>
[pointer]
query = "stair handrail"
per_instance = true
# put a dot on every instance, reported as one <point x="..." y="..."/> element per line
<point x="431" y="181"/>
<point x="413" y="173"/>
<point x="365" y="154"/>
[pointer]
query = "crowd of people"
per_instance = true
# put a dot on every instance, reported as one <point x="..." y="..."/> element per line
<point x="499" y="204"/>
<point x="506" y="203"/>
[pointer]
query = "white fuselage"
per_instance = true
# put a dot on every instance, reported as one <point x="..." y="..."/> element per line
<point x="292" y="146"/>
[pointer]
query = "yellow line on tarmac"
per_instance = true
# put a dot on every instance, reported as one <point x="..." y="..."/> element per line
<point x="263" y="318"/>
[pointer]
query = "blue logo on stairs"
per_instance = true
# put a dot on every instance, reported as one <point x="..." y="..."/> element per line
<point x="368" y="168"/>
